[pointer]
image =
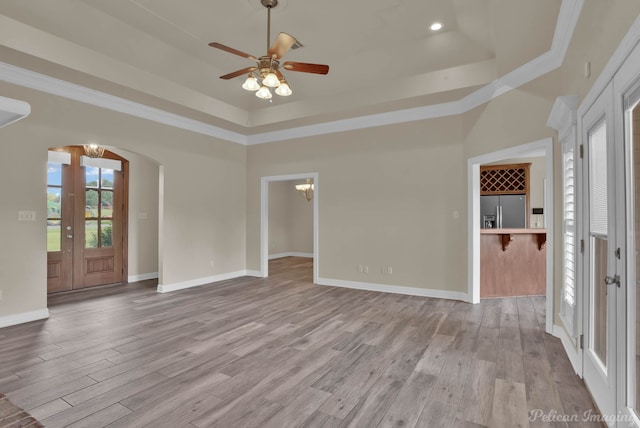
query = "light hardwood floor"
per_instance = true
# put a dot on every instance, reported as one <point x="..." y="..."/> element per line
<point x="282" y="352"/>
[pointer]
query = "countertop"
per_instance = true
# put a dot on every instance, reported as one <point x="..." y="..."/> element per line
<point x="511" y="231"/>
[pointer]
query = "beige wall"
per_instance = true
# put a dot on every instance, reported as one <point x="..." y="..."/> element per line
<point x="301" y="229"/>
<point x="204" y="194"/>
<point x="387" y="195"/>
<point x="143" y="214"/>
<point x="290" y="219"/>
<point x="386" y="198"/>
<point x="278" y="217"/>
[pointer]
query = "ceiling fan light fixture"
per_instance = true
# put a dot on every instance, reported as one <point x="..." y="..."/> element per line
<point x="271" y="80"/>
<point x="264" y="93"/>
<point x="267" y="72"/>
<point x="251" y="84"/>
<point x="284" y="90"/>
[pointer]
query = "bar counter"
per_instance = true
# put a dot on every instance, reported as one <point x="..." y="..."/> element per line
<point x="512" y="262"/>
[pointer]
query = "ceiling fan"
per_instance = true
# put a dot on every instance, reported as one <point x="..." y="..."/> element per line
<point x="266" y="73"/>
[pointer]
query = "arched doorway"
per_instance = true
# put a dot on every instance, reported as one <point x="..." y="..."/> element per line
<point x="87" y="202"/>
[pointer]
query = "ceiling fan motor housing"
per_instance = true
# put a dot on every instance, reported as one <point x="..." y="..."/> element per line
<point x="267" y="64"/>
<point x="269" y="3"/>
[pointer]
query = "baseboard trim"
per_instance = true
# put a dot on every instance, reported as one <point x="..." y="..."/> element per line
<point x="142" y="277"/>
<point x="395" y="289"/>
<point x="255" y="273"/>
<point x="281" y="255"/>
<point x="23" y="317"/>
<point x="166" y="288"/>
<point x="571" y="351"/>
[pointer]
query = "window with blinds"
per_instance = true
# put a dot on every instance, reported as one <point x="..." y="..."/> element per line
<point x="598" y="181"/>
<point x="567" y="311"/>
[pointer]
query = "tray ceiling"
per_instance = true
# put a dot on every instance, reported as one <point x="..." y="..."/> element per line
<point x="382" y="54"/>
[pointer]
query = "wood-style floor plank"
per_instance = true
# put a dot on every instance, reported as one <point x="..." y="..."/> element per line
<point x="283" y="352"/>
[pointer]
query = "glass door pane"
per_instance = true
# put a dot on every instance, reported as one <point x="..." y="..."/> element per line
<point x="599" y="259"/>
<point x="54" y="206"/>
<point x="99" y="188"/>
<point x="598" y="234"/>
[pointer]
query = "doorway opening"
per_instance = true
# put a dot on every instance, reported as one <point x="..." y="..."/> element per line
<point x="541" y="148"/>
<point x="87" y="225"/>
<point x="266" y="249"/>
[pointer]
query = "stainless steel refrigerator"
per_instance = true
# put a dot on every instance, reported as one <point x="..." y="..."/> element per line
<point x="503" y="211"/>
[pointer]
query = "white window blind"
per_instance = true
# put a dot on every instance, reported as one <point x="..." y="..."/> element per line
<point x="567" y="310"/>
<point x="113" y="164"/>
<point x="598" y="180"/>
<point x="60" y="157"/>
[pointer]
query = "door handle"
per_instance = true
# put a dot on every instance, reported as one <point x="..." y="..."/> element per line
<point x="612" y="280"/>
<point x="70" y="236"/>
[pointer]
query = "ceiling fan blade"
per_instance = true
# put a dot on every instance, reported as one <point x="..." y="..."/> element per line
<point x="282" y="44"/>
<point x="238" y="73"/>
<point x="232" y="50"/>
<point x="305" y="67"/>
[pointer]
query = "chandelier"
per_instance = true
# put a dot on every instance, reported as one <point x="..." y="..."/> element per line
<point x="93" y="150"/>
<point x="306" y="189"/>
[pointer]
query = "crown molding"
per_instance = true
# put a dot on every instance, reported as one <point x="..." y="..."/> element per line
<point x="41" y="82"/>
<point x="545" y="63"/>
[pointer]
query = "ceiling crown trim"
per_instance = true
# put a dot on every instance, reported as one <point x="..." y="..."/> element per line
<point x="545" y="63"/>
<point x="41" y="82"/>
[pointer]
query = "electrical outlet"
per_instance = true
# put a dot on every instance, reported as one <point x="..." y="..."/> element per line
<point x="387" y="270"/>
<point x="360" y="268"/>
<point x="366" y="269"/>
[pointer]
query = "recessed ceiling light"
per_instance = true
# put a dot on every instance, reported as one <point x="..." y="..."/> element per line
<point x="436" y="26"/>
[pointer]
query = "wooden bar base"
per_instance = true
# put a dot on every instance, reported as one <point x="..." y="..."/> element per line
<point x="512" y="262"/>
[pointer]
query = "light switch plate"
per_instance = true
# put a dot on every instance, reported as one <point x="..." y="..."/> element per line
<point x="26" y="216"/>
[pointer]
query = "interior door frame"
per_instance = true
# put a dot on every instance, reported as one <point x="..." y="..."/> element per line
<point x="264" y="219"/>
<point x="543" y="147"/>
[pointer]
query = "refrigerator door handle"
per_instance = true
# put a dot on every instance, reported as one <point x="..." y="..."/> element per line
<point x="497" y="216"/>
<point x="500" y="220"/>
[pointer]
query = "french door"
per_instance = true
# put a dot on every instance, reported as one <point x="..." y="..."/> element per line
<point x="86" y="219"/>
<point x="611" y="233"/>
<point x="601" y="248"/>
